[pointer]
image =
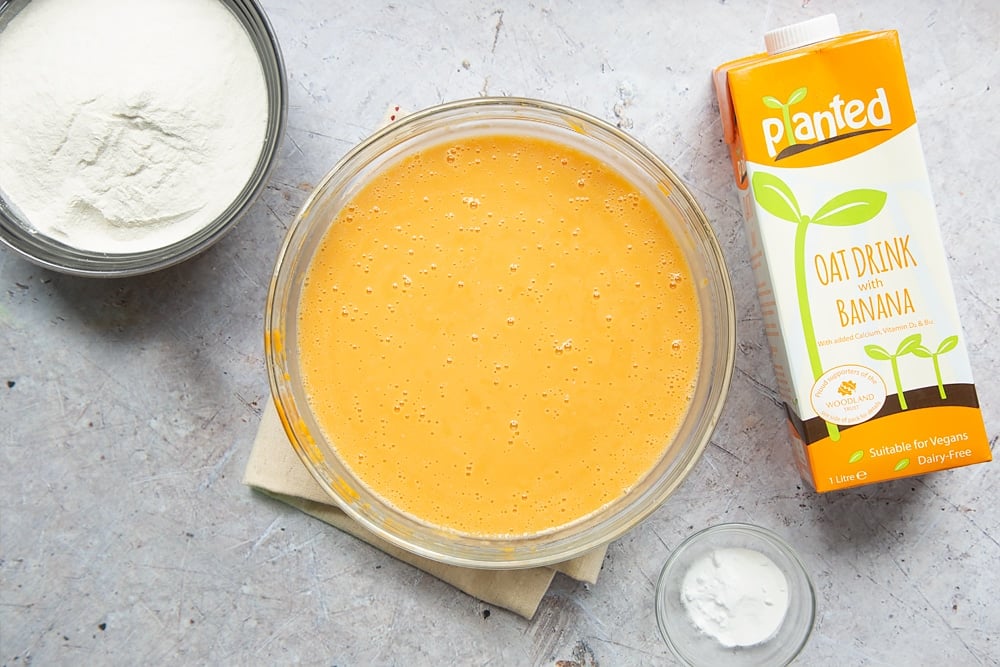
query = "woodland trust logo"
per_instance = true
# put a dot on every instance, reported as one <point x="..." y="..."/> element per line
<point x="840" y="119"/>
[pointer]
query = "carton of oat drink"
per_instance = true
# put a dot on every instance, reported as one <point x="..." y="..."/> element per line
<point x="852" y="277"/>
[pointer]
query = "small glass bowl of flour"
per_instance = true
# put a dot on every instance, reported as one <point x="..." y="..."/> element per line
<point x="735" y="594"/>
<point x="134" y="134"/>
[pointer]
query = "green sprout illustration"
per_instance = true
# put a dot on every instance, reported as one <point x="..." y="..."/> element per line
<point x="847" y="209"/>
<point x="906" y="346"/>
<point x="947" y="345"/>
<point x="797" y="95"/>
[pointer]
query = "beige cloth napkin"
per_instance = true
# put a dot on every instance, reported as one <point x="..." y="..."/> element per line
<point x="275" y="469"/>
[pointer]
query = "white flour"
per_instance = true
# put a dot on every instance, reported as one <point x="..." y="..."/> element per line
<point x="124" y="125"/>
<point x="737" y="596"/>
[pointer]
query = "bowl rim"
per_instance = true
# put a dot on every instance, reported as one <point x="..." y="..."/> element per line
<point x="54" y="255"/>
<point x="304" y="444"/>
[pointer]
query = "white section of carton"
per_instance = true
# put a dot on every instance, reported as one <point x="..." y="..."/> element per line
<point x="839" y="255"/>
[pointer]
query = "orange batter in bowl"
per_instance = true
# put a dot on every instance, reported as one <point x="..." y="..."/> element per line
<point x="499" y="335"/>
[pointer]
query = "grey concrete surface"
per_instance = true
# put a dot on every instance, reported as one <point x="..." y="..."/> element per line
<point x="127" y="407"/>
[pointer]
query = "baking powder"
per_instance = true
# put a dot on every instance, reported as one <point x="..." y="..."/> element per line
<point x="126" y="126"/>
<point x="738" y="596"/>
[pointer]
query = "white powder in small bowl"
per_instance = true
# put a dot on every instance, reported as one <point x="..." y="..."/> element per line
<point x="127" y="126"/>
<point x="737" y="596"/>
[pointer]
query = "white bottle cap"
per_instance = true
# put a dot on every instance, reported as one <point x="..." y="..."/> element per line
<point x="801" y="34"/>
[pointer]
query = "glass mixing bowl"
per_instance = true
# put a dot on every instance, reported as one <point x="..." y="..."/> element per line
<point x="562" y="125"/>
<point x="17" y="232"/>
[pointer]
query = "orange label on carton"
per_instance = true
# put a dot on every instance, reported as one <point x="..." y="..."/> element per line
<point x="899" y="445"/>
<point x="798" y="110"/>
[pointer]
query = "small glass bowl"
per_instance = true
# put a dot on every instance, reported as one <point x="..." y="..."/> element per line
<point x="697" y="649"/>
<point x="17" y="233"/>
